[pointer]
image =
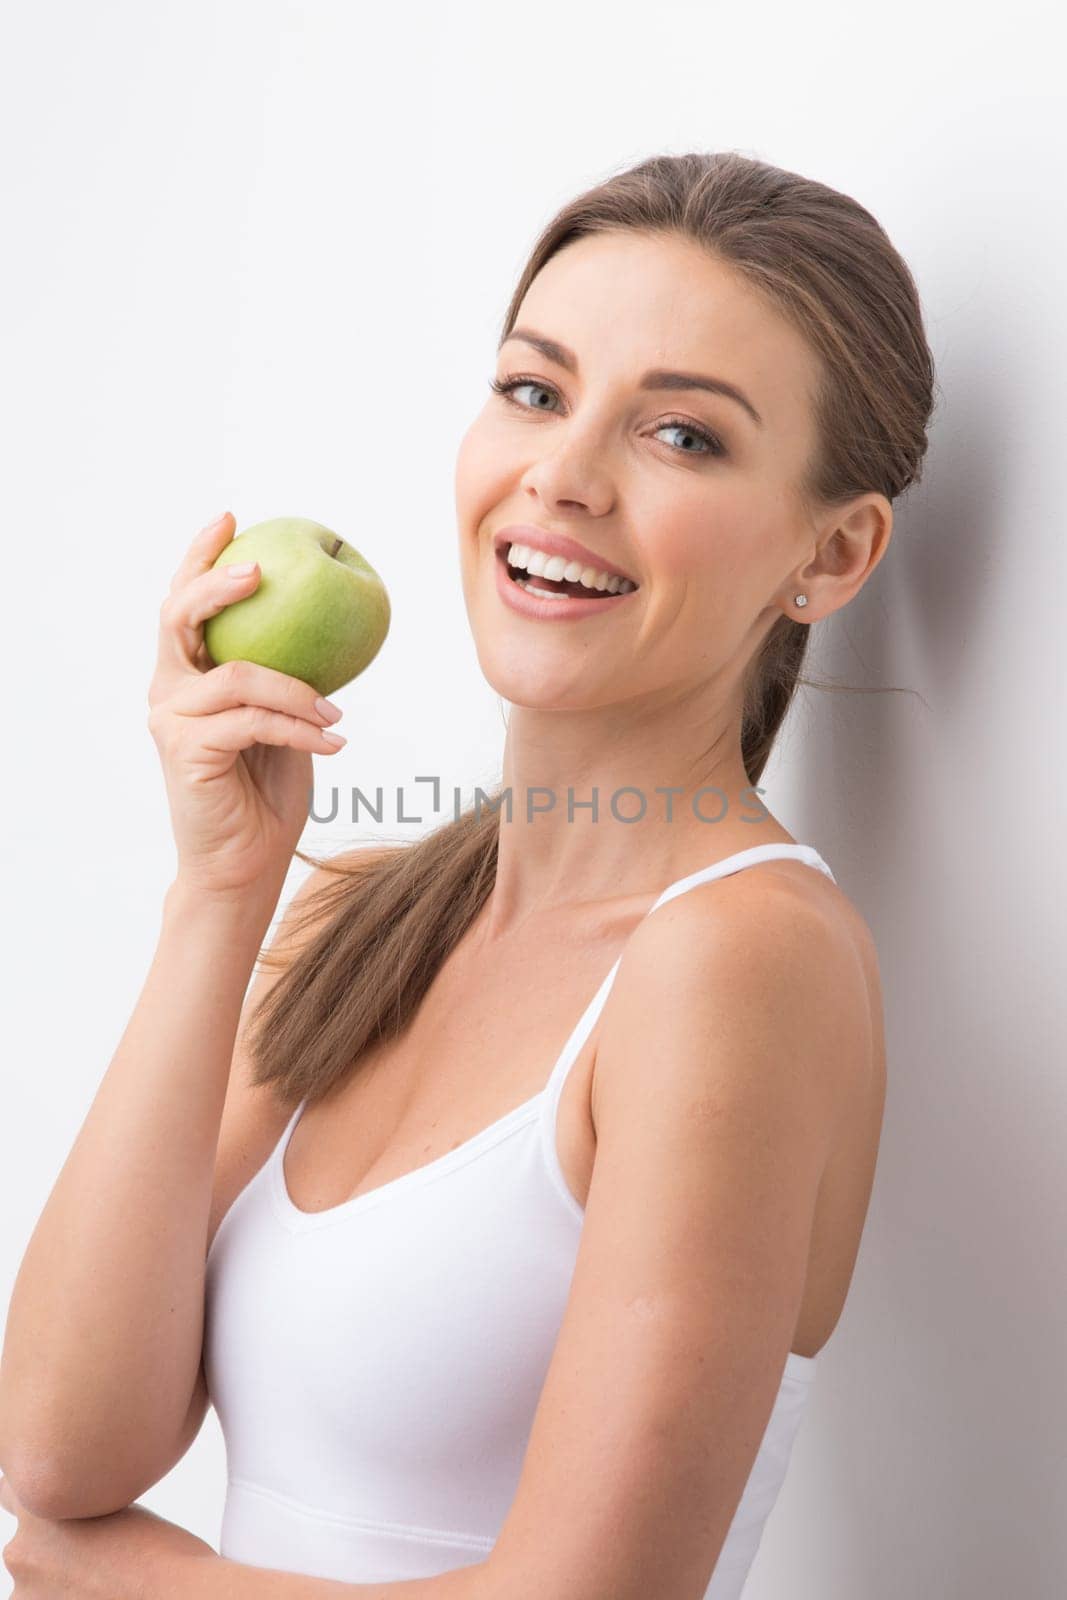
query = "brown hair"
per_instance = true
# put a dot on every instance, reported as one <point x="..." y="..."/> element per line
<point x="820" y="259"/>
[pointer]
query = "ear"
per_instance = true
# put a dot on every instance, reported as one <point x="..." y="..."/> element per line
<point x="852" y="541"/>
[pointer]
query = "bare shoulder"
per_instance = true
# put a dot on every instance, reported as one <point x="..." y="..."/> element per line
<point x="774" y="966"/>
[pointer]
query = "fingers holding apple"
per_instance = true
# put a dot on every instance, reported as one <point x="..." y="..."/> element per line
<point x="239" y="704"/>
<point x="317" y="609"/>
<point x="188" y="606"/>
<point x="236" y="703"/>
<point x="204" y="549"/>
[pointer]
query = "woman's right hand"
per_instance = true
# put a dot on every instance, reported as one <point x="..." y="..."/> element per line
<point x="235" y="740"/>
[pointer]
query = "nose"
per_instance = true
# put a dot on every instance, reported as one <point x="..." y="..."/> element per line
<point x="569" y="481"/>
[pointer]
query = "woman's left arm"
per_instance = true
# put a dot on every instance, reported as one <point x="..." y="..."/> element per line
<point x="731" y="1049"/>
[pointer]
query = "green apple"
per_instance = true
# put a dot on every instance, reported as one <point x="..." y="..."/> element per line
<point x="319" y="611"/>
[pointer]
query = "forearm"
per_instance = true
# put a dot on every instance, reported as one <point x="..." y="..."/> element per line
<point x="220" y="1579"/>
<point x="104" y="1329"/>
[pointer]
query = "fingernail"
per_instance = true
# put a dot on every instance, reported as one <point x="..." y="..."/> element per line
<point x="239" y="569"/>
<point x="327" y="709"/>
<point x="334" y="738"/>
<point x="214" y="523"/>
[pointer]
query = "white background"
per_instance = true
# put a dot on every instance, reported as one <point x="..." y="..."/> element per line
<point x="256" y="256"/>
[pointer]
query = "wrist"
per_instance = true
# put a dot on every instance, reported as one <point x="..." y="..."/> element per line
<point x="187" y="1572"/>
<point x="233" y="912"/>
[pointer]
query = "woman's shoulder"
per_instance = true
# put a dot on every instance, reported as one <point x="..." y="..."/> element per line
<point x="780" y="908"/>
<point x="782" y="905"/>
<point x="778" y="944"/>
<point x="782" y="885"/>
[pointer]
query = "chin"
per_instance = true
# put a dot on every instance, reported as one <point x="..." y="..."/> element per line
<point x="524" y="676"/>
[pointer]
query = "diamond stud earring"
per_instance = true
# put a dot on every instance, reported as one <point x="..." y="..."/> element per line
<point x="800" y="599"/>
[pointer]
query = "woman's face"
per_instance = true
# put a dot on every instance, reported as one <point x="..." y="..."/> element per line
<point x="711" y="531"/>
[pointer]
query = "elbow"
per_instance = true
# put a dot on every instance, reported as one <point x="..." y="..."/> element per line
<point x="32" y="1487"/>
<point x="41" y="1490"/>
<point x="25" y="1472"/>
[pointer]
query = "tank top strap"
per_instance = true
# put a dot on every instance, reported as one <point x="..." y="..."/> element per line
<point x="718" y="869"/>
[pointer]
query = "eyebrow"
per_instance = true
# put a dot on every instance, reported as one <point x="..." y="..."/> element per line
<point x="655" y="378"/>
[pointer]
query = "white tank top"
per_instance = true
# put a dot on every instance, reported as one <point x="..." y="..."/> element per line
<point x="376" y="1366"/>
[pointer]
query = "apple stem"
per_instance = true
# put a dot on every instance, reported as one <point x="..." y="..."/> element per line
<point x="337" y="545"/>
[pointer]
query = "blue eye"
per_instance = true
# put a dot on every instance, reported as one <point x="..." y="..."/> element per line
<point x="506" y="386"/>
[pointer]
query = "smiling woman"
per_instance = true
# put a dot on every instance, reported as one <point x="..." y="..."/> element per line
<point x="543" y="1214"/>
<point x="547" y="1145"/>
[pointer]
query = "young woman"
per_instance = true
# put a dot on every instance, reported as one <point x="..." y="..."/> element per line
<point x="505" y="1223"/>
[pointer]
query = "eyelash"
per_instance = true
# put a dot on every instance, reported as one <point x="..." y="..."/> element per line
<point x="504" y="386"/>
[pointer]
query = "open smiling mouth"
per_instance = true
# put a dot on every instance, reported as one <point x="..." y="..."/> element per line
<point x="544" y="588"/>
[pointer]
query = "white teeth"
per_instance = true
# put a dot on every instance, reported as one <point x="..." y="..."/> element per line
<point x="542" y="594"/>
<point x="539" y="565"/>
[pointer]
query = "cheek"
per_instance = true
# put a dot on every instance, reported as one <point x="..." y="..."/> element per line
<point x="480" y="488"/>
<point x="711" y="531"/>
<point x="466" y="470"/>
<point x="705" y="553"/>
<point x="482" y="469"/>
<point x="683" y="531"/>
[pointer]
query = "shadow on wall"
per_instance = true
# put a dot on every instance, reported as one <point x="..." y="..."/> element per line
<point x="938" y="1426"/>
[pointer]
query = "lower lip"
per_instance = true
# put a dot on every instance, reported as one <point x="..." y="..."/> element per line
<point x="566" y="610"/>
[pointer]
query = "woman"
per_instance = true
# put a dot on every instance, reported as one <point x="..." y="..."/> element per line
<point x="481" y="1315"/>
